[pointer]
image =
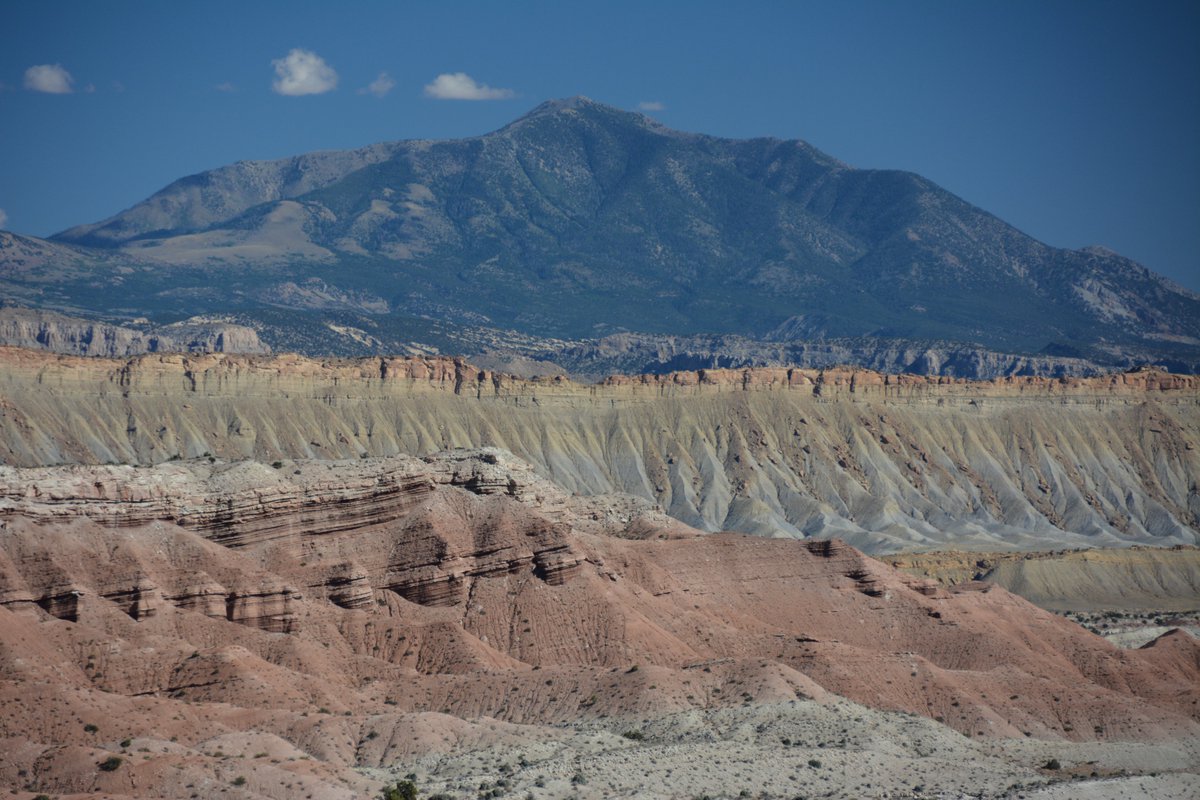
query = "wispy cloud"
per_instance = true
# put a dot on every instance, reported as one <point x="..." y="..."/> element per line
<point x="303" y="72"/>
<point x="650" y="105"/>
<point x="380" y="86"/>
<point x="118" y="87"/>
<point x="3" y="218"/>
<point x="225" y="87"/>
<point x="48" y="78"/>
<point x="461" y="86"/>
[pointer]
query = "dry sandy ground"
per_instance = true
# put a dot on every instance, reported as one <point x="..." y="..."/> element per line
<point x="798" y="749"/>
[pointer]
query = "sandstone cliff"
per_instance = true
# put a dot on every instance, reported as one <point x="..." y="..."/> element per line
<point x="886" y="462"/>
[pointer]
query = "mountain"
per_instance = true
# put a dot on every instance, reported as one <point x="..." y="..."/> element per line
<point x="579" y="221"/>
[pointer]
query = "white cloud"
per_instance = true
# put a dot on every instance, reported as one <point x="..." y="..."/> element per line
<point x="461" y="86"/>
<point x="48" y="78"/>
<point x="650" y="105"/>
<point x="225" y="87"/>
<point x="380" y="86"/>
<point x="303" y="72"/>
<point x="3" y="218"/>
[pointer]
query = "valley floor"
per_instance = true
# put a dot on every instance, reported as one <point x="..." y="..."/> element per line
<point x="799" y="749"/>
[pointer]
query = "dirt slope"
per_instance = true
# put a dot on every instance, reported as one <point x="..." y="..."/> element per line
<point x="310" y="632"/>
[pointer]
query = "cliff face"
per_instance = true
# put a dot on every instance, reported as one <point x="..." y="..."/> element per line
<point x="57" y="333"/>
<point x="886" y="462"/>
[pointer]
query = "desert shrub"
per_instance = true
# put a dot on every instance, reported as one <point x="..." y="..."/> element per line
<point x="1053" y="764"/>
<point x="635" y="736"/>
<point x="240" y="780"/>
<point x="111" y="764"/>
<point x="401" y="790"/>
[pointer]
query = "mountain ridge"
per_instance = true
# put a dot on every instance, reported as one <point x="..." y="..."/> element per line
<point x="579" y="220"/>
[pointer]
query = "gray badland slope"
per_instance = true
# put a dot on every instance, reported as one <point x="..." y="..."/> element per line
<point x="1027" y="464"/>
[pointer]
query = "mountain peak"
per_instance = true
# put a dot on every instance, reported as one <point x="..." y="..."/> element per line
<point x="564" y="104"/>
<point x="581" y="105"/>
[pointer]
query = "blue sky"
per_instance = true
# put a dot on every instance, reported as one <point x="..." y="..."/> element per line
<point x="1075" y="121"/>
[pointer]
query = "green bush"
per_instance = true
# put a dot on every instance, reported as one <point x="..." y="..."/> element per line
<point x="111" y="764"/>
<point x="401" y="790"/>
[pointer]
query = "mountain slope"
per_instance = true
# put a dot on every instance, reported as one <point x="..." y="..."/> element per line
<point x="580" y="220"/>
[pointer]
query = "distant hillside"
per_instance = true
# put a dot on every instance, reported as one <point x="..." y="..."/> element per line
<point x="579" y="221"/>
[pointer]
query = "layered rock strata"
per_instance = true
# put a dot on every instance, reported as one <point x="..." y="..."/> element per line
<point x="295" y="514"/>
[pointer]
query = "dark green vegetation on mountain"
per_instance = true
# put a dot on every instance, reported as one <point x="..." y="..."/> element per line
<point x="580" y="221"/>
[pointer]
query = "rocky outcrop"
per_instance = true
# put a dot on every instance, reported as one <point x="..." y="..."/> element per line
<point x="349" y="586"/>
<point x="61" y="601"/>
<point x="201" y="594"/>
<point x="270" y="606"/>
<point x="57" y="333"/>
<point x="140" y="598"/>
